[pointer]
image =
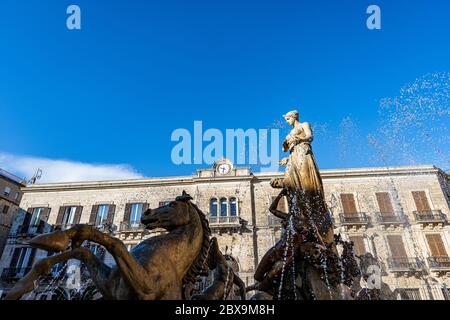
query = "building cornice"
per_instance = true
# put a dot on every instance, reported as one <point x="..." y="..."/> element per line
<point x="260" y="176"/>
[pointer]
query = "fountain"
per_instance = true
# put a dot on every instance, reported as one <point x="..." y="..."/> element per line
<point x="305" y="264"/>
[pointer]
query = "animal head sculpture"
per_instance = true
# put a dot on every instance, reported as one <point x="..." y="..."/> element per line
<point x="170" y="216"/>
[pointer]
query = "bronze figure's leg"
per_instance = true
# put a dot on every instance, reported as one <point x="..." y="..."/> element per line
<point x="99" y="272"/>
<point x="136" y="276"/>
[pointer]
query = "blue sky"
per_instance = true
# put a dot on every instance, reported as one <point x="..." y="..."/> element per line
<point x="113" y="92"/>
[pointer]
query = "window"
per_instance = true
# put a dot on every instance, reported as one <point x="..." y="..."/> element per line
<point x="233" y="207"/>
<point x="7" y="191"/>
<point x="36" y="214"/>
<point x="397" y="247"/>
<point x="348" y="204"/>
<point x="384" y="203"/>
<point x="69" y="215"/>
<point x="421" y="201"/>
<point x="223" y="207"/>
<point x="102" y="214"/>
<point x="22" y="258"/>
<point x="358" y="245"/>
<point x="409" y="294"/>
<point x="446" y="292"/>
<point x="16" y="197"/>
<point x="436" y="245"/>
<point x="136" y="213"/>
<point x="213" y="207"/>
<point x="5" y="209"/>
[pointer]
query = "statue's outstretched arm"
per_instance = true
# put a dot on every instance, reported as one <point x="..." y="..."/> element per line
<point x="273" y="207"/>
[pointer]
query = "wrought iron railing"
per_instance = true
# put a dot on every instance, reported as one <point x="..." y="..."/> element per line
<point x="404" y="264"/>
<point x="359" y="218"/>
<point x="14" y="273"/>
<point x="223" y="220"/>
<point x="390" y="218"/>
<point x="64" y="226"/>
<point x="430" y="216"/>
<point x="440" y="262"/>
<point x="273" y="221"/>
<point x="131" y="227"/>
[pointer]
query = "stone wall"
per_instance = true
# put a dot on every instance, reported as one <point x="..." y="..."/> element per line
<point x="249" y="242"/>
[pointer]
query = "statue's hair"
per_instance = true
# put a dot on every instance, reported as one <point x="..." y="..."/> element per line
<point x="199" y="262"/>
<point x="293" y="113"/>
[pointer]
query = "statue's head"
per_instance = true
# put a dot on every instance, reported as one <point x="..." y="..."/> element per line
<point x="170" y="216"/>
<point x="291" y="117"/>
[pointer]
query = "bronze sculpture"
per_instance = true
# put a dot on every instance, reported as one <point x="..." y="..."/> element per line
<point x="161" y="267"/>
<point x="306" y="253"/>
<point x="304" y="264"/>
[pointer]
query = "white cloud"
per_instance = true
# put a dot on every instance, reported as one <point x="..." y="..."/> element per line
<point x="54" y="170"/>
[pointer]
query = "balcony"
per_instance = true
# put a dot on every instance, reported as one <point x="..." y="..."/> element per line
<point x="131" y="227"/>
<point x="354" y="219"/>
<point x="227" y="220"/>
<point x="64" y="226"/>
<point x="12" y="274"/>
<point x="404" y="264"/>
<point x="441" y="263"/>
<point x="432" y="216"/>
<point x="228" y="223"/>
<point x="390" y="218"/>
<point x="273" y="221"/>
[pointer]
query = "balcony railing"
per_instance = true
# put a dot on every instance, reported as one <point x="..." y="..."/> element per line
<point x="273" y="221"/>
<point x="390" y="218"/>
<point x="64" y="226"/>
<point x="441" y="262"/>
<point x="131" y="227"/>
<point x="224" y="221"/>
<point x="430" y="216"/>
<point x="404" y="264"/>
<point x="359" y="218"/>
<point x="14" y="273"/>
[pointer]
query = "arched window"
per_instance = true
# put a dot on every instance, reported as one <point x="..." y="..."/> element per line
<point x="233" y="207"/>
<point x="223" y="207"/>
<point x="213" y="207"/>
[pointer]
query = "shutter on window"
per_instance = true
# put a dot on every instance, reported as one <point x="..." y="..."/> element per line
<point x="45" y="214"/>
<point x="77" y="217"/>
<point x="422" y="205"/>
<point x="358" y="245"/>
<point x="93" y="215"/>
<point x="127" y="215"/>
<point x="15" y="258"/>
<point x="111" y="212"/>
<point x="397" y="247"/>
<point x="436" y="245"/>
<point x="144" y="207"/>
<point x="348" y="204"/>
<point x="31" y="259"/>
<point x="384" y="203"/>
<point x="43" y="219"/>
<point x="60" y="217"/>
<point x="26" y="221"/>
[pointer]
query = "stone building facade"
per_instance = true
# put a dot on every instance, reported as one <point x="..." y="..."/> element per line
<point x="10" y="197"/>
<point x="399" y="214"/>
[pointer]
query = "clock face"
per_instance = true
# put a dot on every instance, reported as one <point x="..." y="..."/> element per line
<point x="223" y="169"/>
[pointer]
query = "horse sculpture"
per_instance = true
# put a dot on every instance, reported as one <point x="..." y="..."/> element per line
<point x="161" y="267"/>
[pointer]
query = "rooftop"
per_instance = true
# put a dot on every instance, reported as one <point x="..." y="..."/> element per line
<point x="12" y="177"/>
<point x="263" y="176"/>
